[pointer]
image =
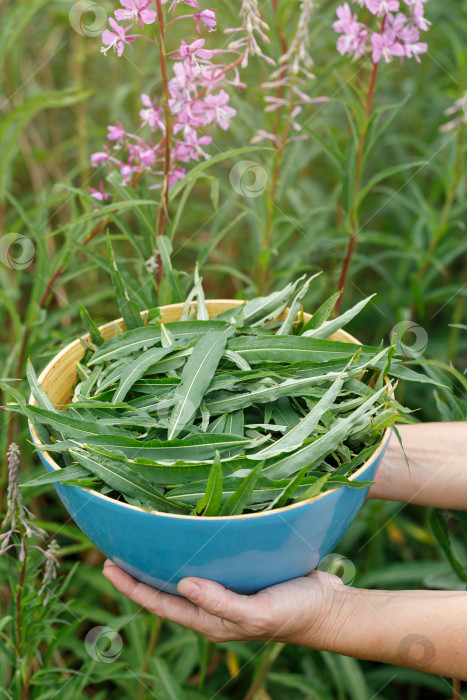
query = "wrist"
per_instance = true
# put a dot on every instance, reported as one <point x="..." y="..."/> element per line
<point x="332" y="620"/>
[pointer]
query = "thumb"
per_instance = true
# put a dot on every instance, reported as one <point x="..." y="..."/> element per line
<point x="217" y="600"/>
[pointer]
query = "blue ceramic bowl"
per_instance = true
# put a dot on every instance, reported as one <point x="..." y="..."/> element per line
<point x="245" y="552"/>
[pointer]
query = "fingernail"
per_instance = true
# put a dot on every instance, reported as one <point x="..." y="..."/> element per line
<point x="190" y="589"/>
<point x="107" y="562"/>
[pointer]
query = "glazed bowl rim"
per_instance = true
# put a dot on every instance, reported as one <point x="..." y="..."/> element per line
<point x="51" y="462"/>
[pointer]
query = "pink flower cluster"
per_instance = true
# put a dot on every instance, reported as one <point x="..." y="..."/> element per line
<point x="395" y="33"/>
<point x="197" y="99"/>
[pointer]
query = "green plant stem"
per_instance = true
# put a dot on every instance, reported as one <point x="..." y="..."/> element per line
<point x="457" y="316"/>
<point x="163" y="207"/>
<point x="353" y="215"/>
<point x="444" y="217"/>
<point x="265" y="248"/>
<point x="271" y="653"/>
<point x="19" y="594"/>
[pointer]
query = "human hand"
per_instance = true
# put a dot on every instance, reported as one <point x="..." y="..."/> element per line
<point x="301" y="611"/>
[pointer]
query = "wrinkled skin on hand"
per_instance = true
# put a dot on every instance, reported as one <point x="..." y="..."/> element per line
<point x="301" y="611"/>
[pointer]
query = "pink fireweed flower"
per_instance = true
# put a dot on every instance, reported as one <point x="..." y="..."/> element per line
<point x="382" y="7"/>
<point x="99" y="158"/>
<point x="152" y="116"/>
<point x="208" y="18"/>
<point x="116" y="133"/>
<point x="414" y="50"/>
<point x="218" y="109"/>
<point x="384" y="46"/>
<point x="117" y="39"/>
<point x="191" y="148"/>
<point x="397" y="34"/>
<point x="136" y="11"/>
<point x="99" y="194"/>
<point x="193" y="52"/>
<point x="354" y="34"/>
<point x="174" y="3"/>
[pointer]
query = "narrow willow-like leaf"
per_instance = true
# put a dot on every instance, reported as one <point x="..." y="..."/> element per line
<point x="262" y="309"/>
<point x="315" y="489"/>
<point x="71" y="473"/>
<point x="290" y="319"/>
<point x="167" y="338"/>
<point x="210" y="504"/>
<point x="225" y="402"/>
<point x="90" y="326"/>
<point x="196" y="377"/>
<point x="293" y="348"/>
<point x="202" y="313"/>
<point x="37" y="391"/>
<point x="128" y="308"/>
<point x="179" y="472"/>
<point x="297" y="435"/>
<point x="329" y="327"/>
<point x="192" y="449"/>
<point x="146" y="337"/>
<point x="70" y="427"/>
<point x="237" y="360"/>
<point x="235" y="504"/>
<point x="284" y="467"/>
<point x="322" y="313"/>
<point x="135" y="369"/>
<point x="128" y="482"/>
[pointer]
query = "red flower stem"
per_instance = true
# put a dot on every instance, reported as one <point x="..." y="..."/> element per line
<point x="163" y="208"/>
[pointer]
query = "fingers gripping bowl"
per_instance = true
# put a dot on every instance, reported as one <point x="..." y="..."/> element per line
<point x="243" y="552"/>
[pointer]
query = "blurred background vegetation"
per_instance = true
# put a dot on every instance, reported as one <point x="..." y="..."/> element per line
<point x="58" y="93"/>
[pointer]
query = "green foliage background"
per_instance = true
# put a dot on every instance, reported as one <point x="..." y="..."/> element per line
<point x="58" y="93"/>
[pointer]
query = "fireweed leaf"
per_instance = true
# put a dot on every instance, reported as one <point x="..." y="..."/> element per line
<point x="128" y="308"/>
<point x="291" y="387"/>
<point x="290" y="319"/>
<point x="128" y="482"/>
<point x="90" y="325"/>
<point x="73" y="472"/>
<point x="292" y="348"/>
<point x="191" y="449"/>
<point x="37" y="391"/>
<point x="296" y="436"/>
<point x="235" y="504"/>
<point x="321" y="314"/>
<point x="286" y="466"/>
<point x="196" y="377"/>
<point x="138" y="338"/>
<point x="134" y="370"/>
<point x="210" y="503"/>
<point x="70" y="427"/>
<point x="329" y="327"/>
<point x="263" y="309"/>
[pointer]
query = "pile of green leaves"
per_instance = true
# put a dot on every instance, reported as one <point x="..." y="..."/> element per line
<point x="239" y="413"/>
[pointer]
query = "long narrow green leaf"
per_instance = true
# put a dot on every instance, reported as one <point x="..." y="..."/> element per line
<point x="196" y="378"/>
<point x="238" y="500"/>
<point x="129" y="482"/>
<point x="210" y="503"/>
